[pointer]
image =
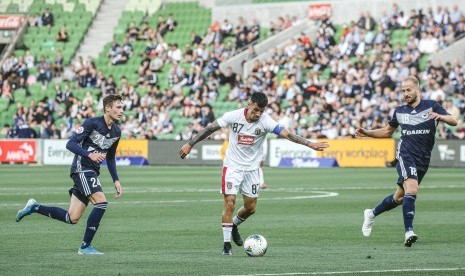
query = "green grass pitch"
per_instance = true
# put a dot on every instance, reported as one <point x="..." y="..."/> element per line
<point x="168" y="222"/>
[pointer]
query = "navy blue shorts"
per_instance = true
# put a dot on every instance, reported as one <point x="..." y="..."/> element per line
<point x="85" y="184"/>
<point x="407" y="168"/>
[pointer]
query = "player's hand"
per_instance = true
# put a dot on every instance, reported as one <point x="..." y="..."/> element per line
<point x="435" y="116"/>
<point x="97" y="157"/>
<point x="185" y="150"/>
<point x="361" y="132"/>
<point x="119" y="190"/>
<point x="319" y="146"/>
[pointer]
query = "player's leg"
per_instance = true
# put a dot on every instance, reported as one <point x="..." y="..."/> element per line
<point x="94" y="193"/>
<point x="250" y="190"/>
<point x="408" y="210"/>
<point x="230" y="182"/>
<point x="388" y="203"/>
<point x="262" y="177"/>
<point x="70" y="216"/>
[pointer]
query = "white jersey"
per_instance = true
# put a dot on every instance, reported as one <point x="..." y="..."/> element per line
<point x="245" y="150"/>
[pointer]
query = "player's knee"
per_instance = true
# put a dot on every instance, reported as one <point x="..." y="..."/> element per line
<point x="250" y="209"/>
<point x="73" y="219"/>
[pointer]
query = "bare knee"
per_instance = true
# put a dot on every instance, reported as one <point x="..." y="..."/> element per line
<point x="73" y="218"/>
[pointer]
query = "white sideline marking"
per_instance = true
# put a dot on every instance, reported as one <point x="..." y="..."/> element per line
<point x="354" y="272"/>
<point x="57" y="191"/>
<point x="314" y="194"/>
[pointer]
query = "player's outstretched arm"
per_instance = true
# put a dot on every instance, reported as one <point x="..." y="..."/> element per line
<point x="385" y="132"/>
<point x="448" y="119"/>
<point x="197" y="138"/>
<point x="301" y="140"/>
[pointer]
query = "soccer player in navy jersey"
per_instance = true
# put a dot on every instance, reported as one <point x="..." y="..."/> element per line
<point x="94" y="141"/>
<point x="418" y="120"/>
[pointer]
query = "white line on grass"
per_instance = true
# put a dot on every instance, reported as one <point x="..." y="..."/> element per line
<point x="56" y="190"/>
<point x="314" y="194"/>
<point x="355" y="272"/>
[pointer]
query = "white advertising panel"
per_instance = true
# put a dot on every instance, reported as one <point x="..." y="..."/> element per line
<point x="55" y="153"/>
<point x="280" y="148"/>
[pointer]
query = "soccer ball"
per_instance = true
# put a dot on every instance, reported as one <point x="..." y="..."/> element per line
<point x="255" y="245"/>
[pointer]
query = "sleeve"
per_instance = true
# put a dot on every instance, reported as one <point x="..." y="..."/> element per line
<point x="226" y="119"/>
<point x="82" y="133"/>
<point x="271" y="125"/>
<point x="439" y="109"/>
<point x="111" y="162"/>
<point x="393" y="121"/>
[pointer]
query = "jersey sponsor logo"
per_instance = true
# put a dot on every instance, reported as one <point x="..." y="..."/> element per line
<point x="416" y="132"/>
<point x="258" y="131"/>
<point x="245" y="140"/>
<point x="101" y="141"/>
<point x="80" y="130"/>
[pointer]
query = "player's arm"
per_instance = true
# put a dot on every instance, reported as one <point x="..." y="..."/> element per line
<point x="385" y="132"/>
<point x="82" y="133"/>
<point x="301" y="140"/>
<point x="448" y="119"/>
<point x="199" y="137"/>
<point x="111" y="164"/>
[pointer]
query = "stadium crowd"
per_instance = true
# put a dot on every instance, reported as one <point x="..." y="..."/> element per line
<point x="319" y="88"/>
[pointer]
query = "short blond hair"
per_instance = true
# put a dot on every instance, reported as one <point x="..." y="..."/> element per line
<point x="413" y="80"/>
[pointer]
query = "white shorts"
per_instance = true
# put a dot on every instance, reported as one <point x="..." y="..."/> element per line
<point x="245" y="182"/>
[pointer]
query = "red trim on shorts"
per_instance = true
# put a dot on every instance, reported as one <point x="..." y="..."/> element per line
<point x="223" y="176"/>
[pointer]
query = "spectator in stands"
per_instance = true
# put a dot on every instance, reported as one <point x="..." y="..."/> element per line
<point x="366" y="21"/>
<point x="47" y="18"/>
<point x="171" y="22"/>
<point x="62" y="35"/>
<point x="44" y="71"/>
<point x="35" y="21"/>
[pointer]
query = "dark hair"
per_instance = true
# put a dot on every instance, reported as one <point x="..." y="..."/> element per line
<point x="260" y="99"/>
<point x="110" y="99"/>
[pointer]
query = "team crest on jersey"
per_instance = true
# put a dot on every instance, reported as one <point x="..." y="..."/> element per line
<point x="80" y="130"/>
<point x="425" y="115"/>
<point x="229" y="185"/>
<point x="258" y="131"/>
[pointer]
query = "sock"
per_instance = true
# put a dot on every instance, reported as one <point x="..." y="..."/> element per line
<point x="262" y="178"/>
<point x="93" y="223"/>
<point x="387" y="204"/>
<point x="53" y="212"/>
<point x="227" y="229"/>
<point x="408" y="210"/>
<point x="237" y="220"/>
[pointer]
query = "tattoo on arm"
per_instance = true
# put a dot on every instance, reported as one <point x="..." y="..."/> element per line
<point x="298" y="139"/>
<point x="204" y="133"/>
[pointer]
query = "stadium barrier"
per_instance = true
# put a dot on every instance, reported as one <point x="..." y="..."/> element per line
<point x="281" y="152"/>
<point x="360" y="153"/>
<point x="342" y="152"/>
<point x="167" y="153"/>
<point x="448" y="154"/>
<point x="18" y="151"/>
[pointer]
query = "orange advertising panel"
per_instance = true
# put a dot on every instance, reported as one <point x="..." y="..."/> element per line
<point x="133" y="148"/>
<point x="17" y="151"/>
<point x="360" y="152"/>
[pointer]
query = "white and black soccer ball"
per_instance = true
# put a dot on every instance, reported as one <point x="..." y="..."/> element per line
<point x="255" y="245"/>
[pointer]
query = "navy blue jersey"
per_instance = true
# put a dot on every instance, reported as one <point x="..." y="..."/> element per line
<point x="418" y="129"/>
<point x="94" y="136"/>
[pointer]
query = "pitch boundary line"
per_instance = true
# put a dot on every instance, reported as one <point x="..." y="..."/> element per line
<point x="354" y="272"/>
<point x="315" y="194"/>
<point x="48" y="190"/>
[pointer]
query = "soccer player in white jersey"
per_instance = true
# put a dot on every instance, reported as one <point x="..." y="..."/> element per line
<point x="249" y="127"/>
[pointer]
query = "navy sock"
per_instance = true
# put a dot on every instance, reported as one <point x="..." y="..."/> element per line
<point x="53" y="212"/>
<point x="408" y="210"/>
<point x="387" y="204"/>
<point x="93" y="223"/>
